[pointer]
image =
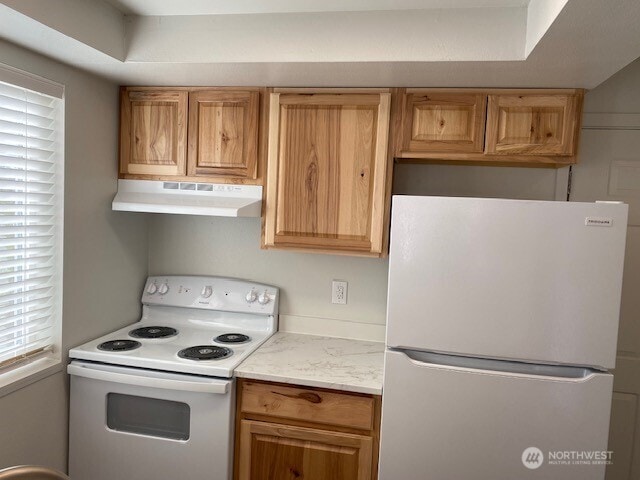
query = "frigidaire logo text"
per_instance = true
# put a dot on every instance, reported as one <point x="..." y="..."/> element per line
<point x="598" y="221"/>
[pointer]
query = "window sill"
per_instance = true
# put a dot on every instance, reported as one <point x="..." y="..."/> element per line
<point x="20" y="376"/>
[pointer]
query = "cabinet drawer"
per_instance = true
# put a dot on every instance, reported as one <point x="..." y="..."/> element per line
<point x="308" y="404"/>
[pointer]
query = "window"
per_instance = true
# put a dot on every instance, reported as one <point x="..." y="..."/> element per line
<point x="31" y="201"/>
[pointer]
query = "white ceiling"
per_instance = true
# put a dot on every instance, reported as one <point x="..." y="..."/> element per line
<point x="483" y="43"/>
<point x="217" y="7"/>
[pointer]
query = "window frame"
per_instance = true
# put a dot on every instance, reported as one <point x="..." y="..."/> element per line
<point x="32" y="369"/>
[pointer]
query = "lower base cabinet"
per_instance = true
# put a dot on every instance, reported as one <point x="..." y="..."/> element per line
<point x="287" y="432"/>
<point x="271" y="451"/>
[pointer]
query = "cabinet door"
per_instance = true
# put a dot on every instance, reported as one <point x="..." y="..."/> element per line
<point x="223" y="133"/>
<point x="327" y="171"/>
<point x="153" y="132"/>
<point x="443" y="122"/>
<point x="533" y="124"/>
<point x="269" y="451"/>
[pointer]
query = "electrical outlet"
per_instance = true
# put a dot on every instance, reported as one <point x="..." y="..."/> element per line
<point x="339" y="292"/>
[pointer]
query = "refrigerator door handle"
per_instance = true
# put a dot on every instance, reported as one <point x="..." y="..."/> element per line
<point x="485" y="366"/>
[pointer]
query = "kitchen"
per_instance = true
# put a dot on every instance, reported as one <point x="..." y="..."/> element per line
<point x="108" y="255"/>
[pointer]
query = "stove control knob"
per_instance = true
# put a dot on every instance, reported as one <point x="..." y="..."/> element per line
<point x="164" y="288"/>
<point x="152" y="288"/>
<point x="207" y="291"/>
<point x="264" y="298"/>
<point x="251" y="296"/>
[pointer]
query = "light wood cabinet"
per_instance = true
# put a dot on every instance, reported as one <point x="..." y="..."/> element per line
<point x="536" y="127"/>
<point x="271" y="451"/>
<point x="437" y="121"/>
<point x="223" y="133"/>
<point x="285" y="431"/>
<point x="191" y="134"/>
<point x="529" y="124"/>
<point x="153" y="132"/>
<point x="327" y="171"/>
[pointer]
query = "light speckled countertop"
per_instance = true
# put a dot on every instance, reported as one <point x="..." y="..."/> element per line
<point x="314" y="361"/>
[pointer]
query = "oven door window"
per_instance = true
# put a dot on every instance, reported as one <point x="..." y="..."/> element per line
<point x="148" y="416"/>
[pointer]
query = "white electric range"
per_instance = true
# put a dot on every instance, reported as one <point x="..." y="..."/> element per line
<point x="155" y="399"/>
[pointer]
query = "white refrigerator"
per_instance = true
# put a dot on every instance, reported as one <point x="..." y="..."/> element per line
<point x="502" y="323"/>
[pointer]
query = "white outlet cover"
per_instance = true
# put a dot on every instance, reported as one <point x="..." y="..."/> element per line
<point x="339" y="292"/>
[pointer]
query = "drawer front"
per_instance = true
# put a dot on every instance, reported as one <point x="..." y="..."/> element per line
<point x="307" y="404"/>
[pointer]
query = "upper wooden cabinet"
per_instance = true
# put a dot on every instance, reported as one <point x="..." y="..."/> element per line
<point x="153" y="132"/>
<point x="212" y="134"/>
<point x="532" y="124"/>
<point x="494" y="127"/>
<point x="223" y="133"/>
<point x="436" y="121"/>
<point x="327" y="171"/>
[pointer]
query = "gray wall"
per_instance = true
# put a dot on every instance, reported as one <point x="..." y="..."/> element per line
<point x="231" y="247"/>
<point x="105" y="258"/>
<point x="619" y="94"/>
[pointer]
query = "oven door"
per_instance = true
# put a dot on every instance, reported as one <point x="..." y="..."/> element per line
<point x="148" y="425"/>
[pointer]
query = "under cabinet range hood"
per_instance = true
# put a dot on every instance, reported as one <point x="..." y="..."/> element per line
<point x="188" y="198"/>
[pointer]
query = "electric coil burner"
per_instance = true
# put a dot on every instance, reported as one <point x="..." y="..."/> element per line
<point x="232" y="338"/>
<point x="153" y="332"/>
<point x="205" y="352"/>
<point x="164" y="387"/>
<point x="119" y="345"/>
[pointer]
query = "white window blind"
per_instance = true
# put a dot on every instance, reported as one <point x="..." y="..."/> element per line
<point x="31" y="200"/>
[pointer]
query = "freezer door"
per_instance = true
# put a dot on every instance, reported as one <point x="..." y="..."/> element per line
<point x="443" y="422"/>
<point x="531" y="280"/>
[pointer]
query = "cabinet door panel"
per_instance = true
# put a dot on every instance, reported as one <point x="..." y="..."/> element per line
<point x="532" y="124"/>
<point x="327" y="171"/>
<point x="279" y="452"/>
<point x="326" y="158"/>
<point x="223" y="133"/>
<point x="443" y="122"/>
<point x="153" y="132"/>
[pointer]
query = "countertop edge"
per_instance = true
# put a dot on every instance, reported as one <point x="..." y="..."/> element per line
<point x="304" y="382"/>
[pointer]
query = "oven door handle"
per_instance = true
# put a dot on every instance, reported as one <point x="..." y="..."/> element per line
<point x="212" y="386"/>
